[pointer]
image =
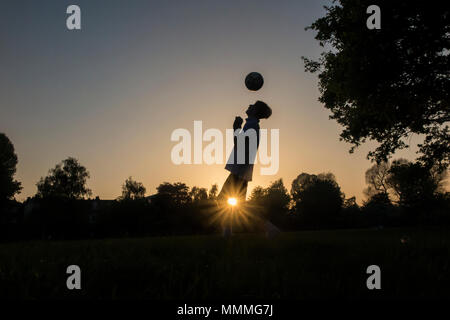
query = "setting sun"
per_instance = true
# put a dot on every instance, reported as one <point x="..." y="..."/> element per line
<point x="232" y="201"/>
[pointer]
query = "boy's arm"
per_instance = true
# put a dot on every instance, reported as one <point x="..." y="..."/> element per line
<point x="236" y="125"/>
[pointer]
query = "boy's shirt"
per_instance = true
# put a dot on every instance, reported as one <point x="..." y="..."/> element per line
<point x="245" y="170"/>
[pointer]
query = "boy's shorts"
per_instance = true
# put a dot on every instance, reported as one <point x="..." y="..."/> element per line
<point x="234" y="187"/>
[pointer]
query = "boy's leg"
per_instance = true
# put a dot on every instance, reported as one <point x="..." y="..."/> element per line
<point x="234" y="187"/>
<point x="242" y="194"/>
<point x="224" y="194"/>
<point x="226" y="188"/>
<point x="239" y="192"/>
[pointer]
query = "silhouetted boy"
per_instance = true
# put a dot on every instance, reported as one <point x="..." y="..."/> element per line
<point x="242" y="158"/>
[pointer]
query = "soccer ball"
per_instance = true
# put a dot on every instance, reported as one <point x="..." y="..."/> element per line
<point x="254" y="81"/>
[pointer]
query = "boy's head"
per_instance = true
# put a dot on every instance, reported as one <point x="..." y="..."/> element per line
<point x="259" y="110"/>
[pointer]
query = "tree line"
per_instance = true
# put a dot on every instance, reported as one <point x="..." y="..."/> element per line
<point x="398" y="193"/>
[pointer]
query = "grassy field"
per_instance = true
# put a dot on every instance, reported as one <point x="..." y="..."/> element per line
<point x="301" y="265"/>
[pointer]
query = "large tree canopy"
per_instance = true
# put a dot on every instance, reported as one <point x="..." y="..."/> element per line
<point x="66" y="180"/>
<point x="8" y="161"/>
<point x="318" y="198"/>
<point x="387" y="84"/>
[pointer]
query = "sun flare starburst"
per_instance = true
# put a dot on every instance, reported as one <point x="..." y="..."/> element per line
<point x="232" y="201"/>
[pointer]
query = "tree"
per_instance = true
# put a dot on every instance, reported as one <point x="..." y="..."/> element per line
<point x="277" y="200"/>
<point x="175" y="193"/>
<point x="8" y="162"/>
<point x="414" y="183"/>
<point x="408" y="184"/>
<point x="387" y="84"/>
<point x="271" y="203"/>
<point x="351" y="213"/>
<point x="212" y="194"/>
<point x="304" y="180"/>
<point x="198" y="194"/>
<point x="350" y="203"/>
<point x="318" y="198"/>
<point x="376" y="178"/>
<point x="67" y="180"/>
<point x="299" y="185"/>
<point x="378" y="209"/>
<point x="258" y="195"/>
<point x="132" y="190"/>
<point x="278" y="197"/>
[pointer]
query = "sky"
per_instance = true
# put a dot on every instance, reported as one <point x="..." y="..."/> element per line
<point x="112" y="93"/>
